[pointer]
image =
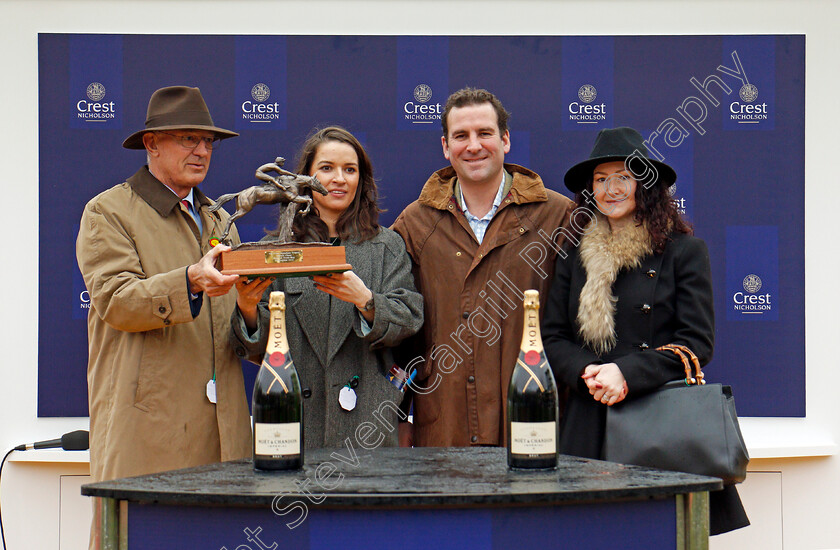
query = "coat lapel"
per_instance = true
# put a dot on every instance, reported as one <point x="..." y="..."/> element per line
<point x="327" y="338"/>
<point x="343" y="315"/>
<point x="305" y="299"/>
<point x="341" y="323"/>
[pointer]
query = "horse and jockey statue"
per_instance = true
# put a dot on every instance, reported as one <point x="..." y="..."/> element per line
<point x="284" y="188"/>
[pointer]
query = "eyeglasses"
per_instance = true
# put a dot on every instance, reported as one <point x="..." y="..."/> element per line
<point x="191" y="141"/>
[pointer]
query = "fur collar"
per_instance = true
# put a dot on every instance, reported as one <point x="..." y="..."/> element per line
<point x="603" y="255"/>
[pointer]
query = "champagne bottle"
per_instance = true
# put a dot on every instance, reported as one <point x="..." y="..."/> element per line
<point x="532" y="409"/>
<point x="277" y="403"/>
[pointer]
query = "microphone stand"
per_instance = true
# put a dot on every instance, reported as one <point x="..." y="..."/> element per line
<point x="73" y="441"/>
<point x="2" y="533"/>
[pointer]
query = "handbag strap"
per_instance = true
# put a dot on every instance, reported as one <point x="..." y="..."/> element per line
<point x="685" y="356"/>
<point x="670" y="347"/>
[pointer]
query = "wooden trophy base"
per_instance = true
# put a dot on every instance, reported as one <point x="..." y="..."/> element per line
<point x="283" y="260"/>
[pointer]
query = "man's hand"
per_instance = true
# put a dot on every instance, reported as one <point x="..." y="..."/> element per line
<point x="204" y="277"/>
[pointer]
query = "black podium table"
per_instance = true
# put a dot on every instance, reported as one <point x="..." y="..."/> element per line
<point x="430" y="498"/>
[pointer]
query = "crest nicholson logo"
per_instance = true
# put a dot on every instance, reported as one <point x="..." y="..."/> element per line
<point x="750" y="302"/>
<point x="752" y="283"/>
<point x="587" y="93"/>
<point x="420" y="111"/>
<point x="95" y="91"/>
<point x="95" y="86"/>
<point x="93" y="109"/>
<point x="260" y="92"/>
<point x="748" y="92"/>
<point x="258" y="110"/>
<point x="747" y="111"/>
<point x="753" y="288"/>
<point x="586" y="111"/>
<point x="422" y="93"/>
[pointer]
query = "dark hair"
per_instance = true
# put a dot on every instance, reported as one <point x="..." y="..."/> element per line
<point x="474" y="96"/>
<point x="360" y="221"/>
<point x="654" y="208"/>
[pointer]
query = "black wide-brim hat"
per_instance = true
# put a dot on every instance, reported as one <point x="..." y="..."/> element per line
<point x="176" y="108"/>
<point x="613" y="144"/>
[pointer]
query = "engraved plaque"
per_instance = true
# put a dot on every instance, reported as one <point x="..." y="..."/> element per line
<point x="283" y="256"/>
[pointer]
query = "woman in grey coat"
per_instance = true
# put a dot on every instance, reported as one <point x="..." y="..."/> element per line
<point x="341" y="326"/>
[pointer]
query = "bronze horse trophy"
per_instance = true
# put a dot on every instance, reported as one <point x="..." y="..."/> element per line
<point x="283" y="188"/>
<point x="278" y="257"/>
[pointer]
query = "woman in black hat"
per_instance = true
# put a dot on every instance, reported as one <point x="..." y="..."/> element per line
<point x="638" y="280"/>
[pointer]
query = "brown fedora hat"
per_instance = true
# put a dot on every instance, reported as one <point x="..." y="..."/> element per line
<point x="176" y="108"/>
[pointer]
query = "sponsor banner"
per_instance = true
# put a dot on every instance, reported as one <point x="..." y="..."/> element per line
<point x="681" y="159"/>
<point x="734" y="184"/>
<point x="752" y="273"/>
<point x="422" y="81"/>
<point x="587" y="90"/>
<point x="96" y="81"/>
<point x="750" y="65"/>
<point x="520" y="148"/>
<point x="260" y="83"/>
<point x="80" y="304"/>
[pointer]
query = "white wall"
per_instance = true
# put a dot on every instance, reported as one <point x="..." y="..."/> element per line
<point x="809" y="486"/>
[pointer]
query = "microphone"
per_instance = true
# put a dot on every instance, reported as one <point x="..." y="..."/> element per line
<point x="73" y="441"/>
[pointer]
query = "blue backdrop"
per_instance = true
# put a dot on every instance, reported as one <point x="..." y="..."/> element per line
<point x="727" y="112"/>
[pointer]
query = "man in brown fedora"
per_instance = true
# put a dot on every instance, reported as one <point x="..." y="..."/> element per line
<point x="165" y="388"/>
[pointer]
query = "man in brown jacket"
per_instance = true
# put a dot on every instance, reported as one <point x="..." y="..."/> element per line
<point x="165" y="388"/>
<point x="480" y="234"/>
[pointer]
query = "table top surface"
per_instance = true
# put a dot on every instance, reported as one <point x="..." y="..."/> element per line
<point x="416" y="477"/>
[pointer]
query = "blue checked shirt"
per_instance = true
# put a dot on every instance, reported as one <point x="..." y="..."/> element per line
<point x="479" y="226"/>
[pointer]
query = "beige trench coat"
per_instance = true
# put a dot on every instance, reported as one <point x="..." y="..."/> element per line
<point x="149" y="360"/>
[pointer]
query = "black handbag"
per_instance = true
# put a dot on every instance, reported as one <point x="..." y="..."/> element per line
<point x="686" y="425"/>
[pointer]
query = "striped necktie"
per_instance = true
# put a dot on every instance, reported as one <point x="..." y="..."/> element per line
<point x="192" y="212"/>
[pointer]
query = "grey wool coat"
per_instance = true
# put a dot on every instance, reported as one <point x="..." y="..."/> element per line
<point x="328" y="345"/>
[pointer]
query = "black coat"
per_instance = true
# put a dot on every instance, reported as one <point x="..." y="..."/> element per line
<point x="667" y="299"/>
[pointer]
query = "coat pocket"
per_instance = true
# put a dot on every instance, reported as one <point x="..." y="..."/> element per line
<point x="149" y="370"/>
